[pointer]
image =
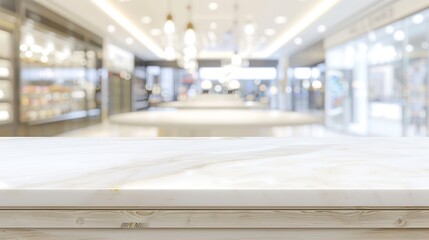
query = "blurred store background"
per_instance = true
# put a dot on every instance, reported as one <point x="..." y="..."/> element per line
<point x="213" y="68"/>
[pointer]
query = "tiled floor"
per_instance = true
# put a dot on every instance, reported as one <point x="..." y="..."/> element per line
<point x="111" y="130"/>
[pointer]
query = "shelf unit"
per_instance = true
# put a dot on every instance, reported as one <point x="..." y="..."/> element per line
<point x="7" y="69"/>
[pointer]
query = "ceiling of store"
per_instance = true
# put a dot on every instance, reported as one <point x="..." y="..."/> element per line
<point x="143" y="21"/>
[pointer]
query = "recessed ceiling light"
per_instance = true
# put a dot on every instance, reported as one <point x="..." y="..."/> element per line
<point x="318" y="10"/>
<point x="298" y="41"/>
<point x="389" y="29"/>
<point x="249" y="29"/>
<point x="111" y="29"/>
<point x="425" y="45"/>
<point x="126" y="24"/>
<point x="409" y="48"/>
<point x="270" y="32"/>
<point x="399" y="36"/>
<point x="418" y="18"/>
<point x="321" y="28"/>
<point x="129" y="41"/>
<point x="213" y="26"/>
<point x="155" y="32"/>
<point x="146" y="20"/>
<point x="213" y="6"/>
<point x="280" y="20"/>
<point x="372" y="37"/>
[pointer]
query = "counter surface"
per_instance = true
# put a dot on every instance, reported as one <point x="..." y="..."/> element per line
<point x="214" y="118"/>
<point x="214" y="173"/>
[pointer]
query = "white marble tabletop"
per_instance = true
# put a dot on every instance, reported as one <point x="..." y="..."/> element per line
<point x="214" y="118"/>
<point x="213" y="102"/>
<point x="213" y="173"/>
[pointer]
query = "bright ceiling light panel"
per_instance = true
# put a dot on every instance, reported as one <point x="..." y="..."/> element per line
<point x="298" y="41"/>
<point x="213" y="26"/>
<point x="128" y="25"/>
<point x="155" y="32"/>
<point x="270" y="32"/>
<point x="280" y="20"/>
<point x="319" y="10"/>
<point x="372" y="37"/>
<point x="321" y="28"/>
<point x="213" y="6"/>
<point x="146" y="20"/>
<point x="418" y="18"/>
<point x="249" y="29"/>
<point x="399" y="36"/>
<point x="389" y="29"/>
<point x="129" y="41"/>
<point x="111" y="29"/>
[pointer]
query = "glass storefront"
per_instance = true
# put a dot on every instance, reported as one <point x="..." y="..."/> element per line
<point x="252" y="84"/>
<point x="377" y="83"/>
<point x="140" y="94"/>
<point x="120" y="65"/>
<point x="307" y="88"/>
<point x="59" y="76"/>
<point x="6" y="77"/>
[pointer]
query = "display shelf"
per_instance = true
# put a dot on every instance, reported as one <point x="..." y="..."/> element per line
<point x="5" y="59"/>
<point x="63" y="117"/>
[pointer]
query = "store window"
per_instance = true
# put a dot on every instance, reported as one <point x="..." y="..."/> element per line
<point x="162" y="83"/>
<point x="140" y="94"/>
<point x="120" y="65"/>
<point x="307" y="88"/>
<point x="6" y="78"/>
<point x="253" y="84"/>
<point x="378" y="83"/>
<point x="59" y="76"/>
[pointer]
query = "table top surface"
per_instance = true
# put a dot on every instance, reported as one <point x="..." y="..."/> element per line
<point x="213" y="102"/>
<point x="257" y="172"/>
<point x="214" y="118"/>
<point x="212" y="105"/>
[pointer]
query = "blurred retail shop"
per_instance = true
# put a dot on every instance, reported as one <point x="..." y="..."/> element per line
<point x="351" y="67"/>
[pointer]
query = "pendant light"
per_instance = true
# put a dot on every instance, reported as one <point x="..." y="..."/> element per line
<point x="190" y="34"/>
<point x="169" y="26"/>
<point x="236" y="59"/>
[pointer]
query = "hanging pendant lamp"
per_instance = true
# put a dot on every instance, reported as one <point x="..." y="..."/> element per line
<point x="190" y="34"/>
<point x="236" y="59"/>
<point x="169" y="26"/>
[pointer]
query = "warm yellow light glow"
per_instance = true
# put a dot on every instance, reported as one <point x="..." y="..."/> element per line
<point x="318" y="11"/>
<point x="4" y="115"/>
<point x="206" y="85"/>
<point x="190" y="35"/>
<point x="317" y="84"/>
<point x="107" y="7"/>
<point x="234" y="85"/>
<point x="169" y="26"/>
